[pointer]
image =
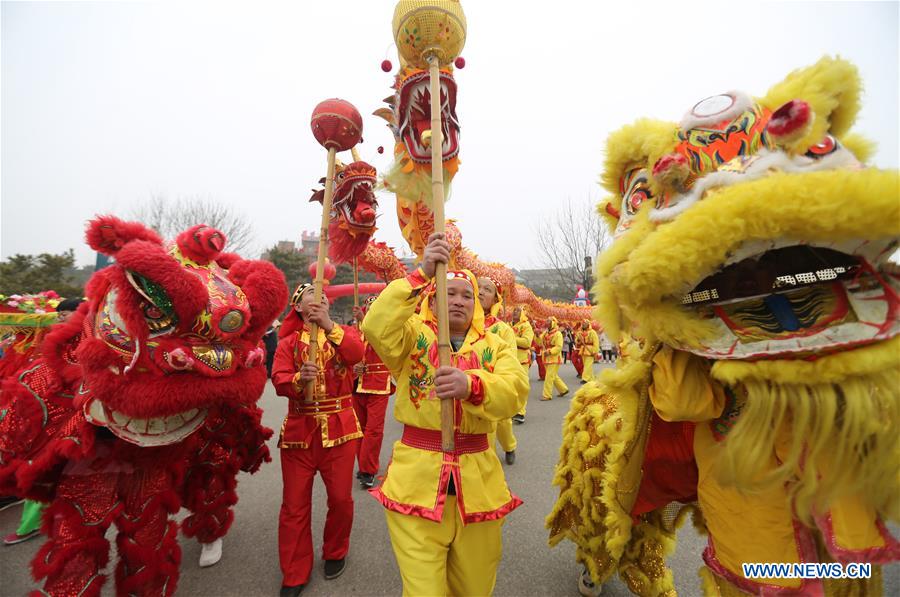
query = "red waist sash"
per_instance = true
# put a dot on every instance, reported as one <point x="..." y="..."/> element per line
<point x="430" y="439"/>
<point x="321" y="407"/>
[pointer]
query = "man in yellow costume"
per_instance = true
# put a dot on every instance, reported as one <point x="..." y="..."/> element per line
<point x="759" y="385"/>
<point x="587" y="344"/>
<point x="551" y="350"/>
<point x="524" y="339"/>
<point x="490" y="295"/>
<point x="444" y="510"/>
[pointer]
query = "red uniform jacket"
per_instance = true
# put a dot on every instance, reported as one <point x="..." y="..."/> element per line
<point x="377" y="378"/>
<point x="331" y="412"/>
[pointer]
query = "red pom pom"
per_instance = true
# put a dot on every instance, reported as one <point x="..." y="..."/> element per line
<point x="386" y="66"/>
<point x="460" y="62"/>
<point x="108" y="234"/>
<point x="380" y="149"/>
<point x="201" y="243"/>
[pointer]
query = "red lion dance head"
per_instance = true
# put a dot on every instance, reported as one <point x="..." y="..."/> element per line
<point x="353" y="210"/>
<point x="171" y="330"/>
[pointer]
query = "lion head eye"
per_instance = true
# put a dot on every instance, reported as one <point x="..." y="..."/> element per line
<point x="156" y="305"/>
<point x="635" y="190"/>
<point x="825" y="147"/>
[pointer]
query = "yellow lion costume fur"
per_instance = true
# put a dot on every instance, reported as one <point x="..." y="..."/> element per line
<point x="750" y="287"/>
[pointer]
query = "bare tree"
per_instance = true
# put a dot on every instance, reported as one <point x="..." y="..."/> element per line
<point x="571" y="240"/>
<point x="169" y="218"/>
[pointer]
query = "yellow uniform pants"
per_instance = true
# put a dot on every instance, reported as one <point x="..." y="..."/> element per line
<point x="552" y="380"/>
<point x="446" y="558"/>
<point x="527" y="366"/>
<point x="587" y="374"/>
<point x="504" y="435"/>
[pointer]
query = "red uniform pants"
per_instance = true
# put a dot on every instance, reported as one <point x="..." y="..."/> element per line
<point x="578" y="362"/>
<point x="542" y="370"/>
<point x="298" y="470"/>
<point x="370" y="409"/>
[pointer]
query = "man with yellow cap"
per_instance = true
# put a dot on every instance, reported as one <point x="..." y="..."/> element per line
<point x="588" y="343"/>
<point x="524" y="339"/>
<point x="490" y="295"/>
<point x="444" y="510"/>
<point x="317" y="436"/>
<point x="551" y="350"/>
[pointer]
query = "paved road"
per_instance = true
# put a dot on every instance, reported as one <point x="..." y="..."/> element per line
<point x="249" y="566"/>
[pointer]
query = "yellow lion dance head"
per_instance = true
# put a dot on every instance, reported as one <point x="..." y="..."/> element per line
<point x="752" y="234"/>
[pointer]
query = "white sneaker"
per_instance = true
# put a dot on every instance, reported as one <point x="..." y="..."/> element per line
<point x="586" y="586"/>
<point x="210" y="553"/>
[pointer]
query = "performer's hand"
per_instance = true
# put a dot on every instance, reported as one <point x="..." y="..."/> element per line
<point x="451" y="384"/>
<point x="358" y="314"/>
<point x="436" y="251"/>
<point x="318" y="314"/>
<point x="308" y="372"/>
<point x="359" y="369"/>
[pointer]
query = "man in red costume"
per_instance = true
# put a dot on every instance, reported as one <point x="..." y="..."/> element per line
<point x="539" y="330"/>
<point x="370" y="400"/>
<point x="318" y="435"/>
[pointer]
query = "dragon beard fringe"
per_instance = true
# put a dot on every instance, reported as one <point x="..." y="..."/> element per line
<point x="412" y="181"/>
<point x="835" y="438"/>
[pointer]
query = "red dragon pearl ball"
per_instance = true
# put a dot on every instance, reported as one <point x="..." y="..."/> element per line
<point x="337" y="124"/>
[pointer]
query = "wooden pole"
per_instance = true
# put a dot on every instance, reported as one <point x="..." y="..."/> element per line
<point x="448" y="407"/>
<point x="356" y="158"/>
<point x="355" y="283"/>
<point x="320" y="265"/>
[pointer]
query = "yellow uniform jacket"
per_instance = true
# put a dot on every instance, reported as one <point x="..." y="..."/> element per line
<point x="524" y="338"/>
<point x="418" y="478"/>
<point x="551" y="342"/>
<point x="589" y="344"/>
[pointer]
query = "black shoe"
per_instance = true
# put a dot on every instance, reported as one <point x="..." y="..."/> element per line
<point x="8" y="501"/>
<point x="519" y="419"/>
<point x="583" y="382"/>
<point x="511" y="457"/>
<point x="334" y="568"/>
<point x="366" y="480"/>
<point x="291" y="591"/>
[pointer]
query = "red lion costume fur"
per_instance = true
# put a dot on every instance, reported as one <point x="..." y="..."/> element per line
<point x="145" y="399"/>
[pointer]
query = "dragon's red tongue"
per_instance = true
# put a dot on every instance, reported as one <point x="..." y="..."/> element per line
<point x="364" y="214"/>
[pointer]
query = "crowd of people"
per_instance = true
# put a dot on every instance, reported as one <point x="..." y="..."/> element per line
<point x="443" y="510"/>
<point x="336" y="409"/>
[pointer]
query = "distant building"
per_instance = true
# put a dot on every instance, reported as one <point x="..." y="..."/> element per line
<point x="409" y="263"/>
<point x="538" y="277"/>
<point x="309" y="245"/>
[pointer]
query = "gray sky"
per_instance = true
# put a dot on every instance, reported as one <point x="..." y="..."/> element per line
<point x="105" y="104"/>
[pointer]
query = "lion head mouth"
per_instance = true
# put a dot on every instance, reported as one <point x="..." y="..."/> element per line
<point x="792" y="299"/>
<point x="414" y="116"/>
<point x="151" y="432"/>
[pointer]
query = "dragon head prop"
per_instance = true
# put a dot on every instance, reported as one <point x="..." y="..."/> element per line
<point x="409" y="118"/>
<point x="353" y="212"/>
<point x="752" y="229"/>
<point x="171" y="330"/>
